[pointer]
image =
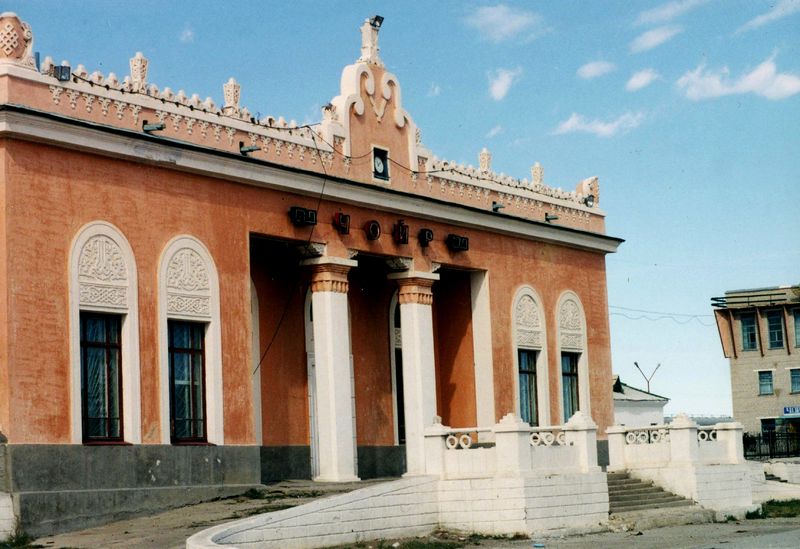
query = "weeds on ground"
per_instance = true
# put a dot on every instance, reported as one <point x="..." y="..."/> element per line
<point x="776" y="509"/>
<point x="19" y="539"/>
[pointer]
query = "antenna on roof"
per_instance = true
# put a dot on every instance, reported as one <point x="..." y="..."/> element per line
<point x="647" y="379"/>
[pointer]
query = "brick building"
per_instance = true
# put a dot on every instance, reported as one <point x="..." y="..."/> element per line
<point x="760" y="334"/>
<point x="193" y="301"/>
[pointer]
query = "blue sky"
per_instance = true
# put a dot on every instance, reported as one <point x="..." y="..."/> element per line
<point x="687" y="110"/>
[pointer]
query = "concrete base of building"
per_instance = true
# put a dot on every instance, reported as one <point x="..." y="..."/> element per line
<point x="57" y="488"/>
<point x="294" y="462"/>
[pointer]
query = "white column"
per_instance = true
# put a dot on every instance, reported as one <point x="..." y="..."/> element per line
<point x="731" y="435"/>
<point x="581" y="433"/>
<point x="482" y="351"/>
<point x="616" y="448"/>
<point x="683" y="441"/>
<point x="334" y="408"/>
<point x="512" y="438"/>
<point x="419" y="370"/>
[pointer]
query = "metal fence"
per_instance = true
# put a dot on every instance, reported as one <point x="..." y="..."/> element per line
<point x="771" y="445"/>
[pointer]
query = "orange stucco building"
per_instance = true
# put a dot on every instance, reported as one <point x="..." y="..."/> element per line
<point x="194" y="301"/>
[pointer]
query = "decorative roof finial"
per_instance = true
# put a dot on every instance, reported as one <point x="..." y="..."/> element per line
<point x="369" y="40"/>
<point x="537" y="174"/>
<point x="138" y="72"/>
<point x="485" y="160"/>
<point x="16" y="41"/>
<point x="231" y="91"/>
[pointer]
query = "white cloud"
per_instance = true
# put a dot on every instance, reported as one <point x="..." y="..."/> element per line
<point x="764" y="80"/>
<point x="499" y="23"/>
<point x="187" y="35"/>
<point x="434" y="90"/>
<point x="652" y="38"/>
<point x="641" y="79"/>
<point x="497" y="130"/>
<point x="579" y="123"/>
<point x="781" y="9"/>
<point x="500" y="82"/>
<point x="595" y="69"/>
<point x="667" y="12"/>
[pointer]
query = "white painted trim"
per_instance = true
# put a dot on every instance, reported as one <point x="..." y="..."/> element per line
<point x="482" y="350"/>
<point x="392" y="349"/>
<point x="213" y="342"/>
<point x="255" y="342"/>
<point x="33" y="128"/>
<point x="542" y="361"/>
<point x="131" y="377"/>
<point x="313" y="438"/>
<point x="584" y="402"/>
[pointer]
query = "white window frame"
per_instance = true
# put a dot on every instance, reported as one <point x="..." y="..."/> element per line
<point x="582" y="348"/>
<point x="542" y="370"/>
<point x="213" y="340"/>
<point x="129" y="314"/>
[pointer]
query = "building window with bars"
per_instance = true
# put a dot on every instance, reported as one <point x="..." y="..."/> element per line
<point x="528" y="405"/>
<point x="765" y="383"/>
<point x="187" y="381"/>
<point x="101" y="377"/>
<point x="749" y="339"/>
<point x="569" y="383"/>
<point x="775" y="329"/>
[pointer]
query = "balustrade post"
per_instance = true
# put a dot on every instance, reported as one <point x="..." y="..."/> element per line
<point x="512" y="439"/>
<point x="683" y="440"/>
<point x="581" y="433"/>
<point x="616" y="448"/>
<point x="731" y="435"/>
<point x="435" y="448"/>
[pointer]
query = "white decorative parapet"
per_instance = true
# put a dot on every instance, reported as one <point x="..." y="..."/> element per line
<point x="704" y="464"/>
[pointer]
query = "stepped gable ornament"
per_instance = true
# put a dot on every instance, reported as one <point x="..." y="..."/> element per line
<point x="231" y="90"/>
<point x="537" y="174"/>
<point x="369" y="42"/>
<point x="138" y="66"/>
<point x="16" y="41"/>
<point x="102" y="274"/>
<point x="485" y="160"/>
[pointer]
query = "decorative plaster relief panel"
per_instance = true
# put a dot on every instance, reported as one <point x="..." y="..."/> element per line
<point x="102" y="274"/>
<point x="528" y="322"/>
<point x="570" y="325"/>
<point x="188" y="287"/>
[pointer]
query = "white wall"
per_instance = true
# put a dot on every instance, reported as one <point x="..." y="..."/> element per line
<point x="638" y="413"/>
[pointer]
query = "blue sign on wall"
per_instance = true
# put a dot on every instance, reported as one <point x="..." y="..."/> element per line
<point x="791" y="410"/>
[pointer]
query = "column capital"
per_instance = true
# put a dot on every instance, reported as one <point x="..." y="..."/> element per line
<point x="329" y="274"/>
<point x="415" y="290"/>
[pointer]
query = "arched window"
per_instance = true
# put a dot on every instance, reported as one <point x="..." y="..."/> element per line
<point x="573" y="357"/>
<point x="104" y="337"/>
<point x="530" y="358"/>
<point x="189" y="333"/>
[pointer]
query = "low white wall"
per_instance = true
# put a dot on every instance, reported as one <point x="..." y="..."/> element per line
<point x="7" y="519"/>
<point x="529" y="505"/>
<point x="406" y="507"/>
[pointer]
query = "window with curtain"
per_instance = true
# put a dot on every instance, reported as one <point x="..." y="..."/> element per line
<point x="528" y="406"/>
<point x="101" y="379"/>
<point x="569" y="383"/>
<point x="187" y="381"/>
<point x="765" y="383"/>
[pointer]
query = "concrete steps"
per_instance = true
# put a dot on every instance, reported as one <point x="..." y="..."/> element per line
<point x="627" y="494"/>
<point x="770" y="476"/>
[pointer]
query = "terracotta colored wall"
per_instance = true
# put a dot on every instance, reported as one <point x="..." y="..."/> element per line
<point x="51" y="193"/>
<point x="455" y="370"/>
<point x="369" y="296"/>
<point x="283" y="371"/>
<point x="4" y="381"/>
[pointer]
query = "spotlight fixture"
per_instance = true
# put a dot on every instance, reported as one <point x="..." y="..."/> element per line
<point x="497" y="206"/>
<point x="244" y="150"/>
<point x="148" y="128"/>
<point x="589" y="201"/>
<point x="376" y="21"/>
<point x="425" y="237"/>
<point x="457" y="243"/>
<point x="550" y="217"/>
<point x="62" y="72"/>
